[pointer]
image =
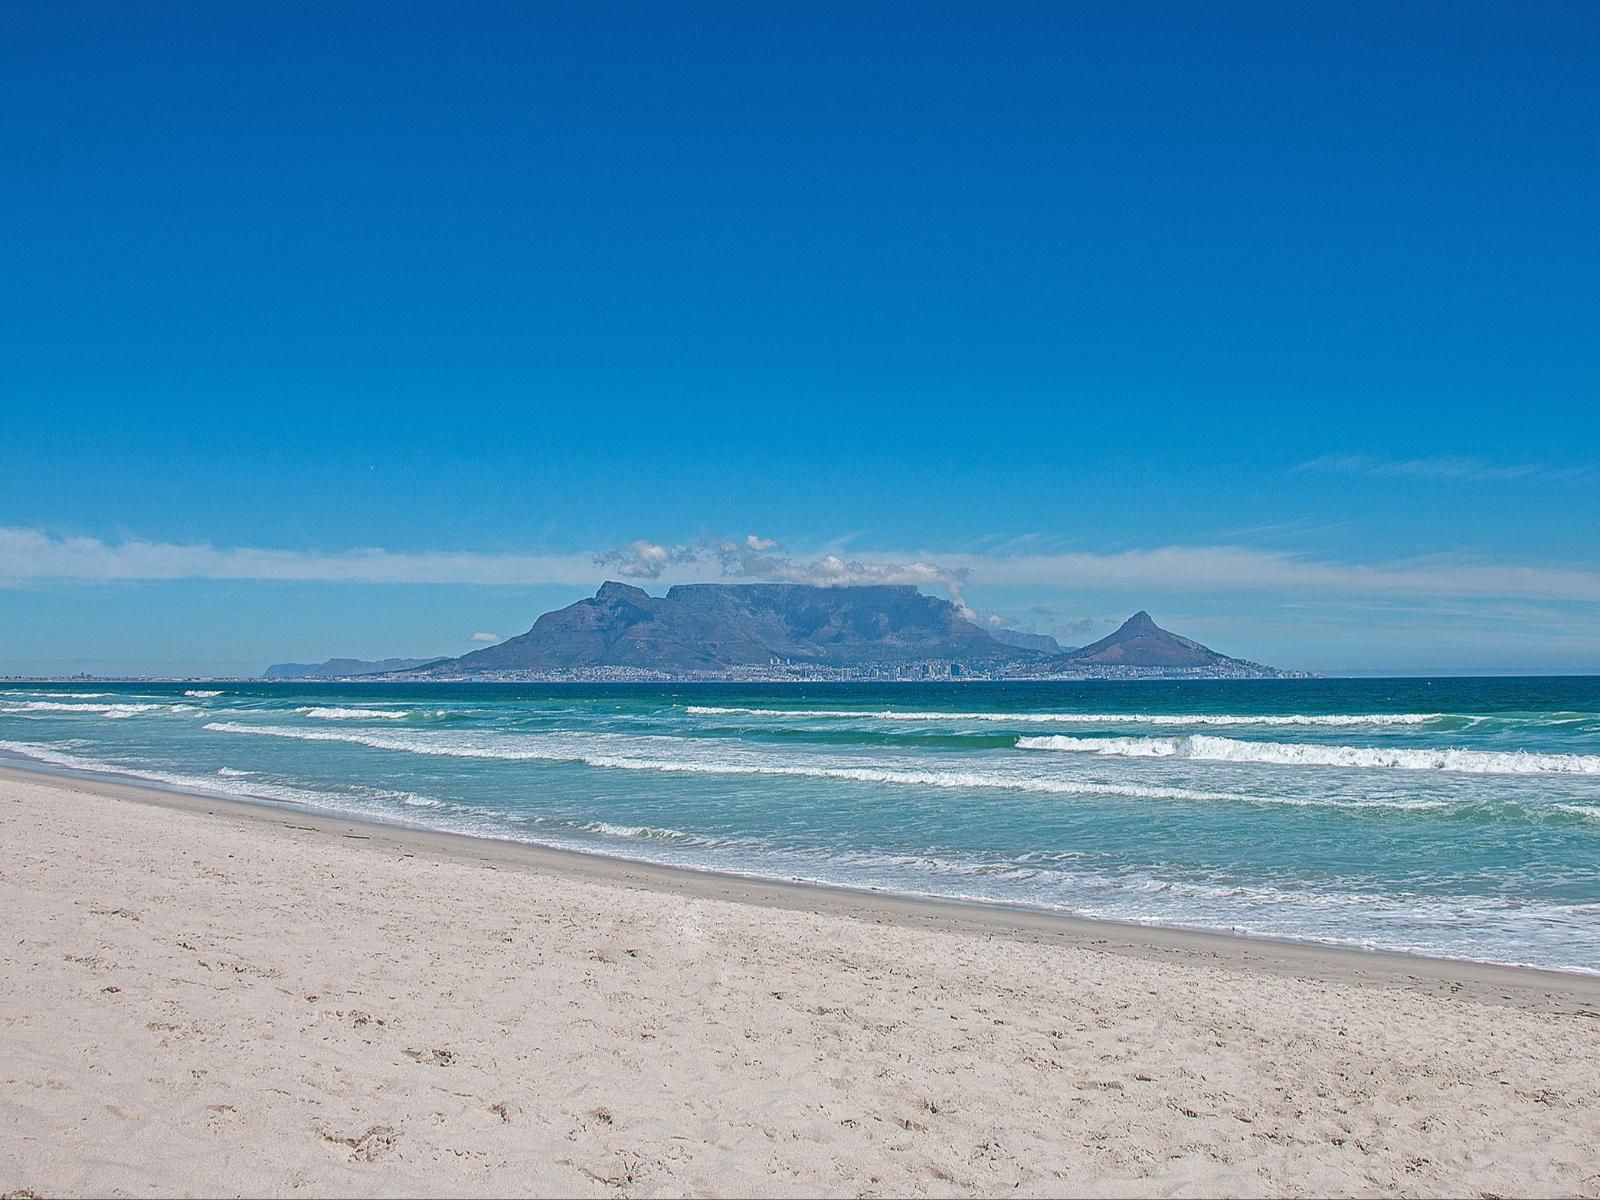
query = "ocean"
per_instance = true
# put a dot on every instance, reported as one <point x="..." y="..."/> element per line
<point x="1451" y="817"/>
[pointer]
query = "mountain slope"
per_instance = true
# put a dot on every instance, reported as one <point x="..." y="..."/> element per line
<point x="1141" y="644"/>
<point x="782" y="630"/>
<point x="1042" y="642"/>
<point x="711" y="627"/>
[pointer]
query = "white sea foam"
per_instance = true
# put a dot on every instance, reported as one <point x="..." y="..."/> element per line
<point x="1221" y="749"/>
<point x="645" y="832"/>
<point x="113" y="711"/>
<point x="1031" y="718"/>
<point x="200" y="695"/>
<point x="230" y="773"/>
<point x="354" y="714"/>
<point x="411" y="798"/>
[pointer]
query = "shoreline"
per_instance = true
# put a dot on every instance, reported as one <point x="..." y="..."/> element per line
<point x="1531" y="987"/>
<point x="214" y="997"/>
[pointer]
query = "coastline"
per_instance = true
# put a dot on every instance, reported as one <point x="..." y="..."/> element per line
<point x="209" y="997"/>
<point x="1526" y="986"/>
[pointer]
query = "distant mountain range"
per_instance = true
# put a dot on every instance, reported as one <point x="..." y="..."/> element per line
<point x="792" y="631"/>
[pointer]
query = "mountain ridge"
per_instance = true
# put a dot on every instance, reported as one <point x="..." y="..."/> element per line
<point x="1139" y="644"/>
<point x="706" y="627"/>
<point x="777" y="631"/>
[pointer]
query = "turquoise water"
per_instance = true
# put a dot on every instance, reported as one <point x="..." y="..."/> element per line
<point x="1456" y="817"/>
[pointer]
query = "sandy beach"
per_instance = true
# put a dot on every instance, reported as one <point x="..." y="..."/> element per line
<point x="207" y="997"/>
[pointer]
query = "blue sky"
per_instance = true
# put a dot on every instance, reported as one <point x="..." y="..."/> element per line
<point x="330" y="334"/>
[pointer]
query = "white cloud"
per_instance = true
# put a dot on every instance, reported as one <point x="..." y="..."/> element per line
<point x="645" y="560"/>
<point x="29" y="556"/>
<point x="758" y="558"/>
<point x="487" y="638"/>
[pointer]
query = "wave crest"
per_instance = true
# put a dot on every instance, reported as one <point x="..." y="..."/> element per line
<point x="1208" y="748"/>
<point x="353" y="714"/>
<point x="113" y="711"/>
<point x="672" y="756"/>
<point x="1027" y="718"/>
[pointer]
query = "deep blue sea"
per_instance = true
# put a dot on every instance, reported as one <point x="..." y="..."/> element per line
<point x="1456" y="817"/>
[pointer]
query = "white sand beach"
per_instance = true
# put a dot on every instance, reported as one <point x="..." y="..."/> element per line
<point x="201" y="997"/>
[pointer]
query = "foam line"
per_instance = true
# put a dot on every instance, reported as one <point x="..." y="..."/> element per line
<point x="353" y="714"/>
<point x="1024" y="718"/>
<point x="1206" y="748"/>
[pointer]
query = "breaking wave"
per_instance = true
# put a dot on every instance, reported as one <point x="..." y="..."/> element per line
<point x="202" y="695"/>
<point x="1025" y="718"/>
<point x="676" y="757"/>
<point x="1222" y="749"/>
<point x="114" y="711"/>
<point x="354" y="714"/>
<point x="596" y="753"/>
<point x="646" y="833"/>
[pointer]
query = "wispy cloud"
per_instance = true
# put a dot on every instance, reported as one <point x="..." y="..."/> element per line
<point x="1184" y="569"/>
<point x="1446" y="467"/>
<point x="1278" y="531"/>
<point x="487" y="639"/>
<point x="31" y="556"/>
<point x="1086" y="629"/>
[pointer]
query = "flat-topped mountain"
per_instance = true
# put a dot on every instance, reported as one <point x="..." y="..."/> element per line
<point x="710" y="627"/>
<point x="1140" y="644"/>
<point x="792" y="631"/>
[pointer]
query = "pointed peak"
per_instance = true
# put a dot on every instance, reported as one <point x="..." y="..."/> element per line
<point x="1139" y="620"/>
<point x="613" y="591"/>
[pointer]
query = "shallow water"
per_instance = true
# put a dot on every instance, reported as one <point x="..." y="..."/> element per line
<point x="1456" y="817"/>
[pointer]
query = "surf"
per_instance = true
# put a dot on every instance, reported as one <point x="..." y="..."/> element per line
<point x="1204" y="748"/>
<point x="1036" y="718"/>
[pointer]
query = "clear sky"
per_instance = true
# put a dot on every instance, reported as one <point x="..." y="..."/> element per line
<point x="360" y="330"/>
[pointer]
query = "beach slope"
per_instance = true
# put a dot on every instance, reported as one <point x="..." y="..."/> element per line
<point x="206" y="998"/>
